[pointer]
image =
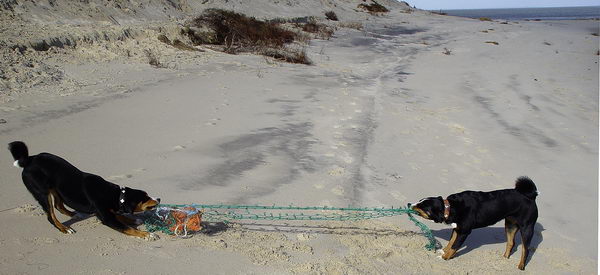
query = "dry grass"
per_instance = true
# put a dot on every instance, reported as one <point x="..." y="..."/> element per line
<point x="177" y="43"/>
<point x="485" y="19"/>
<point x="182" y="46"/>
<point x="153" y="60"/>
<point x="321" y="31"/>
<point x="351" y="25"/>
<point x="373" y="7"/>
<point x="330" y="15"/>
<point x="163" y="38"/>
<point x="235" y="32"/>
<point x="295" y="20"/>
<point x="297" y="56"/>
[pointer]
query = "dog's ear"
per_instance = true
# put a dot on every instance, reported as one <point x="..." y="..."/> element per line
<point x="437" y="211"/>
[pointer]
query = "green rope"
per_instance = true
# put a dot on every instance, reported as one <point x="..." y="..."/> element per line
<point x="226" y="213"/>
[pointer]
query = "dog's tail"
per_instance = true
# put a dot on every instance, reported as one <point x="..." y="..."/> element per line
<point x="525" y="186"/>
<point x="19" y="151"/>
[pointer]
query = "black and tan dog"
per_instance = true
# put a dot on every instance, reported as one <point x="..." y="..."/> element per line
<point x="54" y="183"/>
<point x="469" y="210"/>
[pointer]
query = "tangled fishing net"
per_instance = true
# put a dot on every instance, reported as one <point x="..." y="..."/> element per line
<point x="183" y="220"/>
<point x="178" y="221"/>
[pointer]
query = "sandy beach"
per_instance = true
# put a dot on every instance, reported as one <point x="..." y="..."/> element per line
<point x="395" y="107"/>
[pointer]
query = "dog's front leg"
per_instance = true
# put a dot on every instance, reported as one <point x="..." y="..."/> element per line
<point x="128" y="221"/>
<point x="113" y="221"/>
<point x="456" y="241"/>
<point x="450" y="242"/>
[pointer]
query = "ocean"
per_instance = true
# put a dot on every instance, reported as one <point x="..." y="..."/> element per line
<point x="563" y="13"/>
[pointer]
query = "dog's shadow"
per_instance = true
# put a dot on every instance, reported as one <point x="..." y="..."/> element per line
<point x="341" y="230"/>
<point x="213" y="228"/>
<point x="492" y="235"/>
<point x="77" y="218"/>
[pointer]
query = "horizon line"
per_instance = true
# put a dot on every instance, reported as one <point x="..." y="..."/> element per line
<point x="438" y="9"/>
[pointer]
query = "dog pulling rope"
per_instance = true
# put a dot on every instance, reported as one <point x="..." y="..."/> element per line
<point x="176" y="218"/>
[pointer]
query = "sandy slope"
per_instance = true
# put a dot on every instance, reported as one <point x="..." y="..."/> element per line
<point x="383" y="118"/>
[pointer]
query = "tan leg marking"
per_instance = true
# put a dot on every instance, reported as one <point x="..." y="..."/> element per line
<point x="511" y="231"/>
<point x="523" y="257"/>
<point x="451" y="241"/>
<point x="449" y="252"/>
<point x="130" y="231"/>
<point x="60" y="206"/>
<point x="136" y="233"/>
<point x="58" y="224"/>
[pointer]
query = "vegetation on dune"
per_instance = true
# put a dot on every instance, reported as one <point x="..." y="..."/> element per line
<point x="330" y="15"/>
<point x="234" y="28"/>
<point x="236" y="32"/>
<point x="321" y="31"/>
<point x="373" y="7"/>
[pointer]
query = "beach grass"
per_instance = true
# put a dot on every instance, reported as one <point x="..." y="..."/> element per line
<point x="330" y="15"/>
<point x="373" y="7"/>
<point x="236" y="33"/>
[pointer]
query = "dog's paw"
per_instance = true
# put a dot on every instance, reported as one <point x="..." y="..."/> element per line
<point x="446" y="257"/>
<point x="440" y="251"/>
<point x="68" y="230"/>
<point x="151" y="237"/>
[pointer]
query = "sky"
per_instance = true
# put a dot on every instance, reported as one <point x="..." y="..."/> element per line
<point x="486" y="4"/>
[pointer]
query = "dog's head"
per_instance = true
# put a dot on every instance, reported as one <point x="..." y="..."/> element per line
<point x="133" y="200"/>
<point x="431" y="208"/>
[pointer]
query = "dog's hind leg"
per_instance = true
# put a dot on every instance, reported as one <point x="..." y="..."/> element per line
<point x="60" y="205"/>
<point x="37" y="183"/>
<point x="52" y="217"/>
<point x="526" y="236"/>
<point x="511" y="228"/>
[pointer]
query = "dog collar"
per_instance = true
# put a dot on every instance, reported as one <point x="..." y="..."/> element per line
<point x="122" y="198"/>
<point x="446" y="209"/>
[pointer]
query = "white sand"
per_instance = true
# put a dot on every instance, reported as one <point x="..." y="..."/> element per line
<point x="382" y="118"/>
